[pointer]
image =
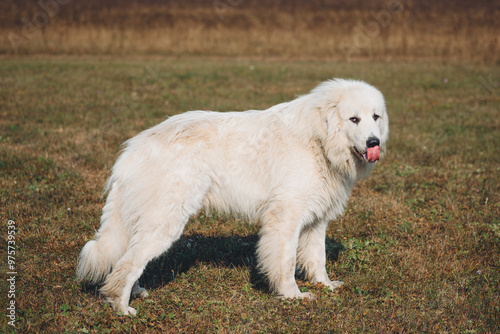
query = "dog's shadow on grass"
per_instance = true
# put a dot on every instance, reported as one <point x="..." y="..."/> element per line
<point x="230" y="251"/>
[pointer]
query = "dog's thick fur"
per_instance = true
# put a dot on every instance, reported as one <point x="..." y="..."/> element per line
<point x="290" y="167"/>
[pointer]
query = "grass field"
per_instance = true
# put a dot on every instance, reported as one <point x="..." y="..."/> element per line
<point x="417" y="246"/>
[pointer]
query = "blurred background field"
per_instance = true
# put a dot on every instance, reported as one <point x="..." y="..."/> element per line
<point x="320" y="29"/>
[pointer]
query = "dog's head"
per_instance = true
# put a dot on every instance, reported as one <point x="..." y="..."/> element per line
<point x="355" y="119"/>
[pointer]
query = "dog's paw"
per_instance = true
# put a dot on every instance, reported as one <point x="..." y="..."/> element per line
<point x="138" y="292"/>
<point x="334" y="285"/>
<point x="299" y="295"/>
<point x="130" y="311"/>
<point x="144" y="294"/>
<point x="307" y="295"/>
<point x="141" y="293"/>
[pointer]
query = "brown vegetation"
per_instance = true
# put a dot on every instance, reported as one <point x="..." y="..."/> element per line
<point x="453" y="31"/>
<point x="417" y="246"/>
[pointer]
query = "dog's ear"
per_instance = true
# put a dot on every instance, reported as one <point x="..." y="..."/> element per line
<point x="330" y="117"/>
<point x="334" y="142"/>
<point x="326" y="97"/>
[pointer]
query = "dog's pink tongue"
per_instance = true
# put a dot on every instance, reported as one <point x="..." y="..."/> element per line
<point x="373" y="154"/>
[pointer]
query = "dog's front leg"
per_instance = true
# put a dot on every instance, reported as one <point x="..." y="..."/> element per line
<point x="311" y="255"/>
<point x="276" y="254"/>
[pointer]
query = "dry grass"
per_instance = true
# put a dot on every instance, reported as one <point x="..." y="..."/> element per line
<point x="417" y="247"/>
<point x="453" y="31"/>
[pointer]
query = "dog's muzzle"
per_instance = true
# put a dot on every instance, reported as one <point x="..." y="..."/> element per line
<point x="372" y="153"/>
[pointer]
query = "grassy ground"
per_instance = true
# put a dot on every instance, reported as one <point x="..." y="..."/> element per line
<point x="417" y="246"/>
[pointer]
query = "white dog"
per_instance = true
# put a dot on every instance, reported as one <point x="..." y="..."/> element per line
<point x="290" y="167"/>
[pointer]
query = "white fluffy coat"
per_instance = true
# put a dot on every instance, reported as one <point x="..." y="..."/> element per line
<point x="290" y="167"/>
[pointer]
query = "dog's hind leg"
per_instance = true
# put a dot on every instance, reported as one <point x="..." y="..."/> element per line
<point x="148" y="242"/>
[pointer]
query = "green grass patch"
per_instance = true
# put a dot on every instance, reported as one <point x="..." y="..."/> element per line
<point x="417" y="246"/>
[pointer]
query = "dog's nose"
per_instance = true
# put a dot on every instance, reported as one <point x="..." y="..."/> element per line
<point x="372" y="142"/>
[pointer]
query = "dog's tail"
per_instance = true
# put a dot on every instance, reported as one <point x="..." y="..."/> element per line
<point x="98" y="256"/>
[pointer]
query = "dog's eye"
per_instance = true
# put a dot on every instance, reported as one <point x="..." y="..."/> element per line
<point x="375" y="116"/>
<point x="355" y="120"/>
